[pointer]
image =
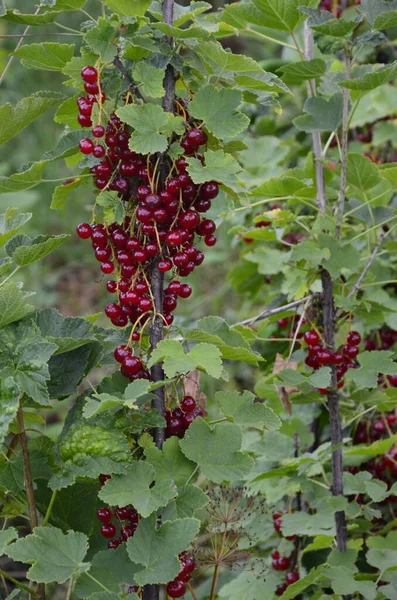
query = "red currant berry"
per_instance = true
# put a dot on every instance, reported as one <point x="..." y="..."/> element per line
<point x="131" y="365"/>
<point x="123" y="512"/>
<point x="351" y="351"/>
<point x="292" y="577"/>
<point x="311" y="337"/>
<point x="107" y="267"/>
<point x="196" y="137"/>
<point x="176" y="589"/>
<point x="84" y="231"/>
<point x="113" y="544"/>
<point x="91" y="88"/>
<point x="353" y="338"/>
<point x="86" y="146"/>
<point x="84" y="120"/>
<point x="99" y="151"/>
<point x="337" y="358"/>
<point x="185" y="290"/>
<point x="275" y="554"/>
<point x="209" y="190"/>
<point x="120" y="353"/>
<point x="98" y="131"/>
<point x="111" y="286"/>
<point x="210" y="240"/>
<point x="108" y="530"/>
<point x="89" y="74"/>
<point x="104" y="515"/>
<point x="128" y="531"/>
<point x="188" y="404"/>
<point x="280" y="589"/>
<point x="324" y="357"/>
<point x="104" y="478"/>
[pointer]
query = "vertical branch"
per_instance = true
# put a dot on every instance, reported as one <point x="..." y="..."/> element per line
<point x="329" y="338"/>
<point x="152" y="592"/>
<point x="334" y="411"/>
<point x="316" y="137"/>
<point x="345" y="140"/>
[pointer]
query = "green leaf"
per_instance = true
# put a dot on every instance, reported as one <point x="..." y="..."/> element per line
<point x="108" y="569"/>
<point x="361" y="173"/>
<point x="216" y="450"/>
<point x="66" y="113"/>
<point x="376" y="490"/>
<point x="11" y="222"/>
<point x="67" y="333"/>
<point x="151" y="80"/>
<point x="295" y="73"/>
<point x="248" y="585"/>
<point x="371" y="364"/>
<point x="99" y="39"/>
<point x="241" y="409"/>
<point x="6" y="537"/>
<point x="370" y="81"/>
<point x="385" y="20"/>
<point x="66" y="4"/>
<point x="113" y="208"/>
<point x="125" y="8"/>
<point x="157" y="550"/>
<point x="189" y="500"/>
<point x="383" y="555"/>
<point x="14" y="120"/>
<point x="266" y="82"/>
<point x="282" y="185"/>
<point x="9" y="394"/>
<point x="136" y="487"/>
<point x="25" y="251"/>
<point x="283" y="15"/>
<point x="313" y="577"/>
<point x="152" y="127"/>
<point x="28" y="19"/>
<point x="67" y="369"/>
<point x="218" y="109"/>
<point x="46" y="56"/>
<point x="24" y="180"/>
<point x="13" y="306"/>
<point x="73" y="68"/>
<point x="226" y="60"/>
<point x="341" y="256"/>
<point x="62" y="192"/>
<point x="193" y="31"/>
<point x="204" y="357"/>
<point x="67" y="146"/>
<point x="337" y="27"/>
<point x="322" y="114"/>
<point x="54" y="555"/>
<point x="219" y="167"/>
<point x="170" y="462"/>
<point x="24" y="354"/>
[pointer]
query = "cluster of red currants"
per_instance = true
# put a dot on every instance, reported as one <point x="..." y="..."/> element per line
<point x="282" y="563"/>
<point x="126" y="516"/>
<point x="161" y="225"/>
<point x="380" y="339"/>
<point x="177" y="587"/>
<point x="343" y="358"/>
<point x="94" y="94"/>
<point x="180" y="418"/>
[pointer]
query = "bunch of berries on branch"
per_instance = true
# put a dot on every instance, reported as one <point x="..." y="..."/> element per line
<point x="162" y="222"/>
<point x="124" y="519"/>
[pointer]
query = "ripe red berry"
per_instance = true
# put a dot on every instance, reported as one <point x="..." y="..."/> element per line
<point x="104" y="515"/>
<point x="176" y="589"/>
<point x="99" y="151"/>
<point x="91" y="88"/>
<point x="86" y="146"/>
<point x="353" y="338"/>
<point x="210" y="240"/>
<point x="188" y="404"/>
<point x="128" y="531"/>
<point x="275" y="554"/>
<point x="284" y="563"/>
<point x="196" y="137"/>
<point x="131" y="365"/>
<point x="111" y="286"/>
<point x="173" y="238"/>
<point x="280" y="589"/>
<point x="324" y="357"/>
<point x="164" y="265"/>
<point x="84" y="231"/>
<point x="337" y="358"/>
<point x="185" y="290"/>
<point x="108" y="530"/>
<point x="311" y="337"/>
<point x="123" y="512"/>
<point x="120" y="353"/>
<point x="104" y="478"/>
<point x="351" y="351"/>
<point x="112" y="310"/>
<point x="209" y="190"/>
<point x="107" y="267"/>
<point x="84" y="120"/>
<point x="292" y="577"/>
<point x="98" y="131"/>
<point x="89" y="74"/>
<point x="113" y="544"/>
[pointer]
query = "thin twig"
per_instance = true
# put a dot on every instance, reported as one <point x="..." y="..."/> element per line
<point x="265" y="314"/>
<point x="297" y="329"/>
<point x="316" y="137"/>
<point x="345" y="141"/>
<point x="191" y="590"/>
<point x="133" y="86"/>
<point x="8" y="65"/>
<point x="22" y="586"/>
<point x="367" y="266"/>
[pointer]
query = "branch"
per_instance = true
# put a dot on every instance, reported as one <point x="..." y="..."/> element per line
<point x="334" y="412"/>
<point x="316" y="137"/>
<point x="22" y="586"/>
<point x="273" y="311"/>
<point x="345" y="140"/>
<point x="8" y="65"/>
<point x="367" y="266"/>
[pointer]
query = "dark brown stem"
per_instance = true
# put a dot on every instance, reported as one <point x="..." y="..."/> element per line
<point x="152" y="592"/>
<point x="334" y="413"/>
<point x="28" y="480"/>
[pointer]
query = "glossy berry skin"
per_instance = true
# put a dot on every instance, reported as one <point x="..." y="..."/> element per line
<point x="89" y="74"/>
<point x="108" y="530"/>
<point x="353" y="338"/>
<point x="84" y="231"/>
<point x="176" y="589"/>
<point x="131" y="365"/>
<point x="209" y="190"/>
<point x="104" y="515"/>
<point x="280" y="589"/>
<point x="292" y="577"/>
<point x="113" y="544"/>
<point x="324" y="357"/>
<point x="311" y="338"/>
<point x="120" y="354"/>
<point x="86" y="146"/>
<point x="188" y="404"/>
<point x="123" y="512"/>
<point x="275" y="554"/>
<point x="98" y="131"/>
<point x="351" y="351"/>
<point x="196" y="137"/>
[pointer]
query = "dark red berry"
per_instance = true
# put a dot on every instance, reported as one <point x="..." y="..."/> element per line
<point x="86" y="146"/>
<point x="188" y="404"/>
<point x="353" y="338"/>
<point x="131" y="364"/>
<point x="209" y="190"/>
<point x="176" y="589"/>
<point x="104" y="515"/>
<point x="311" y="337"/>
<point x="292" y="577"/>
<point x="108" y="530"/>
<point x="84" y="231"/>
<point x="324" y="357"/>
<point x="196" y="137"/>
<point x="89" y="74"/>
<point x="113" y="544"/>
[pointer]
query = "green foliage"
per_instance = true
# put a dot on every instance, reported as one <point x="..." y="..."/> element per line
<point x="218" y="108"/>
<point x="204" y="357"/>
<point x="63" y="554"/>
<point x="47" y="56"/>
